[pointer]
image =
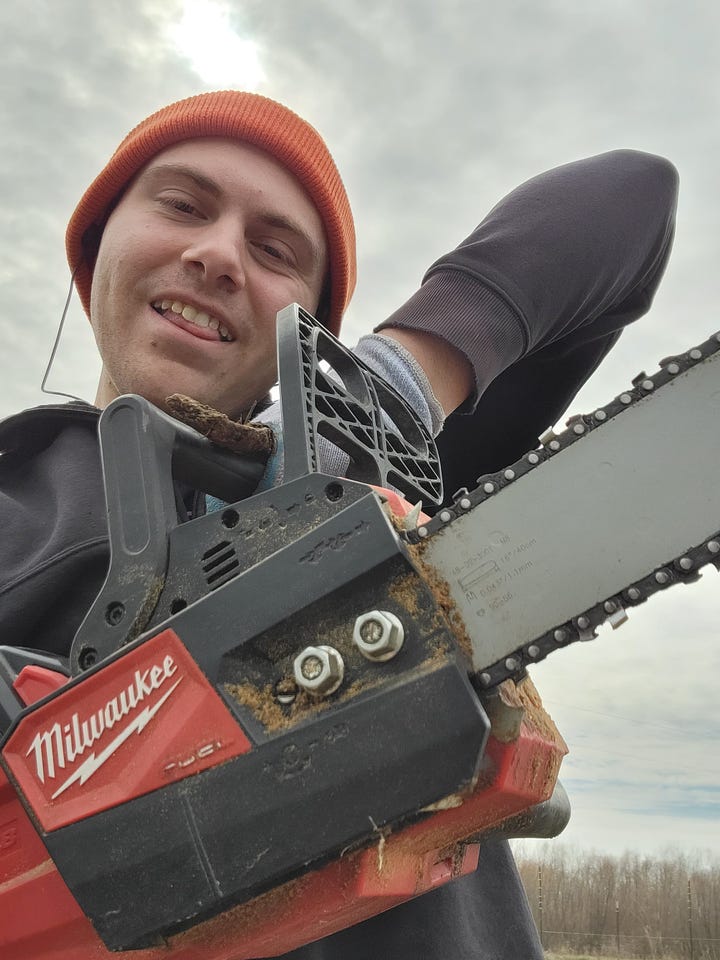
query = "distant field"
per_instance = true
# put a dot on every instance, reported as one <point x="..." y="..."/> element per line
<point x="577" y="956"/>
<point x="589" y="905"/>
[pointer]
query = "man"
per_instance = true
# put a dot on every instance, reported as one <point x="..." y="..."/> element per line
<point x="215" y="213"/>
<point x="289" y="233"/>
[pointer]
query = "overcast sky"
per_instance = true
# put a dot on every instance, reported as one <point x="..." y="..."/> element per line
<point x="433" y="112"/>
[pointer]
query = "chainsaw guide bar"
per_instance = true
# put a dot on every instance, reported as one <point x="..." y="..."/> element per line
<point x="543" y="552"/>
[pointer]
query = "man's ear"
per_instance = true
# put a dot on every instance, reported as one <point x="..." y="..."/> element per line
<point x="93" y="235"/>
<point x="91" y="244"/>
<point x="322" y="312"/>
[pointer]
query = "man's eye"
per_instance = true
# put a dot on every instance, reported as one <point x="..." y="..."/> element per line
<point x="277" y="253"/>
<point x="175" y="203"/>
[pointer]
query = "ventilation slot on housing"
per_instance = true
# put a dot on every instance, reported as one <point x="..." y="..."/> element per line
<point x="219" y="564"/>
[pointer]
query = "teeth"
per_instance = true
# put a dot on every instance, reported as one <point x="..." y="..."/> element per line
<point x="193" y="315"/>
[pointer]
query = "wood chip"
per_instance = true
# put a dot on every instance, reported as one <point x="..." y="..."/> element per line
<point x="250" y="439"/>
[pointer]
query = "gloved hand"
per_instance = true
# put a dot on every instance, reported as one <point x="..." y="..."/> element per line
<point x="390" y="360"/>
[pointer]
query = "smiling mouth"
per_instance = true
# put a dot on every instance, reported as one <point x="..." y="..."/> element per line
<point x="174" y="310"/>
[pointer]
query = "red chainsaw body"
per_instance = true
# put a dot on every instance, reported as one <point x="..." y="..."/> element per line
<point x="42" y="920"/>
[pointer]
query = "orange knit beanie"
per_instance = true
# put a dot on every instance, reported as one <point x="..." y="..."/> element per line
<point x="239" y="116"/>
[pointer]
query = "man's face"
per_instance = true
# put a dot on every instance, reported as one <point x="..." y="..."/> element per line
<point x="210" y="240"/>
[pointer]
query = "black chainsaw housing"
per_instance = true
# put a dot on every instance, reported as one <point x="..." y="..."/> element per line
<point x="323" y="783"/>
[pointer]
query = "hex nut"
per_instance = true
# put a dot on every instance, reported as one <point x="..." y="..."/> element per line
<point x="319" y="670"/>
<point x="378" y="635"/>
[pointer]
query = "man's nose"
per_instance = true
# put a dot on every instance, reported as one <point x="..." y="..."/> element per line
<point x="218" y="250"/>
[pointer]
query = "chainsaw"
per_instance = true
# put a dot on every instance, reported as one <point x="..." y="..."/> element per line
<point x="311" y="704"/>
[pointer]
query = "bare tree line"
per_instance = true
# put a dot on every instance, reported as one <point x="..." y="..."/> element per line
<point x="628" y="906"/>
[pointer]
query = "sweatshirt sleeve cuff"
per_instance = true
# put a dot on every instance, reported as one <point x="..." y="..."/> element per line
<point x="399" y="367"/>
<point x="470" y="316"/>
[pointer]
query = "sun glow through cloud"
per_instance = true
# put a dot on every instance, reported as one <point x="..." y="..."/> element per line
<point x="216" y="52"/>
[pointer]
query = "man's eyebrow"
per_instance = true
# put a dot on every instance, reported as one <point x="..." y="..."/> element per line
<point x="183" y="170"/>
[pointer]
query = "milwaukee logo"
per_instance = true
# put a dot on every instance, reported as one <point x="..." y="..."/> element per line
<point x="62" y="745"/>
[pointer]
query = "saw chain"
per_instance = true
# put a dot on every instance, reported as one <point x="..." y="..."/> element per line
<point x="680" y="453"/>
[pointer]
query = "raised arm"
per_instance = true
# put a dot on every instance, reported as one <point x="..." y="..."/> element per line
<point x="577" y="251"/>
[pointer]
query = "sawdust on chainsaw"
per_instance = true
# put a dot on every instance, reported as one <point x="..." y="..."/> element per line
<point x="447" y="803"/>
<point x="263" y="704"/>
<point x="131" y="574"/>
<point x="260" y="703"/>
<point x="440" y="589"/>
<point x="524" y="694"/>
<point x="271" y="714"/>
<point x="265" y="910"/>
<point x="442" y="829"/>
<point x="521" y="695"/>
<point x="256" y="923"/>
<point x="407" y="591"/>
<point x="250" y="439"/>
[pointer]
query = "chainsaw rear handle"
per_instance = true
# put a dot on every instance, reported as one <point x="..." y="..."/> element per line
<point x="145" y="453"/>
<point x="141" y="445"/>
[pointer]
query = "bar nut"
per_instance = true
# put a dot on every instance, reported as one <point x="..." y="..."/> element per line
<point x="378" y="635"/>
<point x="319" y="670"/>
